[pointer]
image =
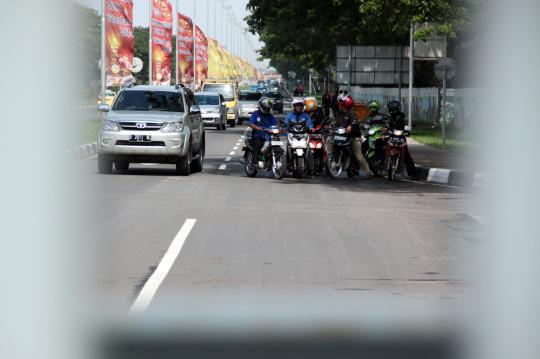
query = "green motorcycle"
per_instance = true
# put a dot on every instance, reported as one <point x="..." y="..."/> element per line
<point x="375" y="139"/>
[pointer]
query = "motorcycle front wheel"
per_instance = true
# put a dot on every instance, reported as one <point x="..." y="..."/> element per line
<point x="278" y="167"/>
<point x="299" y="170"/>
<point x="393" y="163"/>
<point x="250" y="166"/>
<point x="333" y="168"/>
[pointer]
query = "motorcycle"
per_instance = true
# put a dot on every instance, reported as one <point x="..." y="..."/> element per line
<point x="342" y="158"/>
<point x="297" y="148"/>
<point x="375" y="137"/>
<point x="271" y="155"/>
<point x="316" y="143"/>
<point x="395" y="151"/>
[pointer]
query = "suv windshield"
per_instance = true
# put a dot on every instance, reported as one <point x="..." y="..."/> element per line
<point x="250" y="96"/>
<point x="149" y="101"/>
<point x="226" y="90"/>
<point x="207" y="100"/>
<point x="273" y="95"/>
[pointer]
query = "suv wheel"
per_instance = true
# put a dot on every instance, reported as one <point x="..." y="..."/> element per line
<point x="183" y="166"/>
<point x="104" y="164"/>
<point x="197" y="165"/>
<point x="121" y="165"/>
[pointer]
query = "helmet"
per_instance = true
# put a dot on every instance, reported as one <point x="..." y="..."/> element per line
<point x="393" y="106"/>
<point x="346" y="103"/>
<point x="298" y="101"/>
<point x="311" y="104"/>
<point x="265" y="104"/>
<point x="374" y="105"/>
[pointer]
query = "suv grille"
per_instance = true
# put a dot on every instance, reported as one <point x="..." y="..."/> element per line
<point x="142" y="144"/>
<point x="149" y="126"/>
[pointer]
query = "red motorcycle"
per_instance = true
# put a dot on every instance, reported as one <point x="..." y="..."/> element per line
<point x="318" y="149"/>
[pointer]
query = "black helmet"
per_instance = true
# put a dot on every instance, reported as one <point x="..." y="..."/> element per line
<point x="393" y="106"/>
<point x="265" y="104"/>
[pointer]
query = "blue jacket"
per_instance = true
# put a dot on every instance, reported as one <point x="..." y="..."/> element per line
<point x="297" y="117"/>
<point x="262" y="120"/>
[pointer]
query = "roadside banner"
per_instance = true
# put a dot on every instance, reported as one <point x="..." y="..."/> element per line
<point x="185" y="49"/>
<point x="202" y="55"/>
<point x="119" y="41"/>
<point x="162" y="28"/>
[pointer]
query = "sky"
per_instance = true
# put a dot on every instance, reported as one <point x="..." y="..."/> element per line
<point x="211" y="19"/>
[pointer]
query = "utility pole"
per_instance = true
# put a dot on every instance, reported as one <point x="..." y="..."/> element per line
<point x="150" y="64"/>
<point x="411" y="72"/>
<point x="175" y="18"/>
<point x="103" y="54"/>
<point x="194" y="45"/>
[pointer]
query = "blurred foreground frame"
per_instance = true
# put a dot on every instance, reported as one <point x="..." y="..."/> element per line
<point x="306" y="327"/>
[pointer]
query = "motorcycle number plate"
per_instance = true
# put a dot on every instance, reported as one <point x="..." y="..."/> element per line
<point x="277" y="143"/>
<point x="341" y="138"/>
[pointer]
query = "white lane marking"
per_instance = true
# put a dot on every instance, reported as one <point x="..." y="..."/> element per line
<point x="223" y="167"/>
<point x="228" y="159"/>
<point x="238" y="144"/>
<point x="242" y="137"/>
<point x="152" y="284"/>
<point x="235" y="147"/>
<point x="232" y="153"/>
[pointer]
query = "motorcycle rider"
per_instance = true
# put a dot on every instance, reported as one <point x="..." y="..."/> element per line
<point x="259" y="121"/>
<point x="347" y="118"/>
<point x="314" y="111"/>
<point x="375" y="118"/>
<point x="299" y="115"/>
<point x="397" y="122"/>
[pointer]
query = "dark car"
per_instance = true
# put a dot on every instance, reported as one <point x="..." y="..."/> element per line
<point x="277" y="100"/>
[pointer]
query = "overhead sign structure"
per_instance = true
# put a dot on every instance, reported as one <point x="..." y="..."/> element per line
<point x="372" y="65"/>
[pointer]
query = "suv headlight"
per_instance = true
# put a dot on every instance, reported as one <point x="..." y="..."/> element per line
<point x="173" y="127"/>
<point x="110" y="126"/>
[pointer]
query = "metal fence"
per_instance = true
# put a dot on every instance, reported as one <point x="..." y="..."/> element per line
<point x="462" y="104"/>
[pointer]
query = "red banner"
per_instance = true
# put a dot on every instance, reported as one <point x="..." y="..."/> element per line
<point x="162" y="28"/>
<point x="119" y="41"/>
<point x="202" y="55"/>
<point x="185" y="49"/>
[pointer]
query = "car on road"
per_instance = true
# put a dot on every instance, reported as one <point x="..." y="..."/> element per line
<point x="213" y="109"/>
<point x="277" y="100"/>
<point x="229" y="91"/>
<point x="152" y="124"/>
<point x="248" y="102"/>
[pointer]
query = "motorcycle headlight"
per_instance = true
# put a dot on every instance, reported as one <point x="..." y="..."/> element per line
<point x="371" y="132"/>
<point x="110" y="126"/>
<point x="311" y="145"/>
<point x="173" y="127"/>
<point x="398" y="132"/>
<point x="319" y="145"/>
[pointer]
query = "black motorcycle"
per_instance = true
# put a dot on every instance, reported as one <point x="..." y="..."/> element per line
<point x="271" y="156"/>
<point x="342" y="158"/>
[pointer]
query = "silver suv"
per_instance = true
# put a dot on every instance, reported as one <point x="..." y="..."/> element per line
<point x="158" y="124"/>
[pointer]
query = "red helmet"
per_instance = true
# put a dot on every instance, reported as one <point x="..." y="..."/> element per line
<point x="346" y="103"/>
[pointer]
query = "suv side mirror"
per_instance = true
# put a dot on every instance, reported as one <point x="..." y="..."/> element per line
<point x="194" y="110"/>
<point x="103" y="107"/>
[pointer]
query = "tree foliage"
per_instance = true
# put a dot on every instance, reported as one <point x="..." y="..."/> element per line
<point x="303" y="34"/>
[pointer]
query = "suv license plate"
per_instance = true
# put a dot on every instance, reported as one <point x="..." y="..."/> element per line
<point x="140" y="138"/>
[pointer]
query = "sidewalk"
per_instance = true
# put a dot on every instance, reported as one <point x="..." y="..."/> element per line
<point x="445" y="167"/>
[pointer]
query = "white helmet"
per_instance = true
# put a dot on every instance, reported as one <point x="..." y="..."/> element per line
<point x="298" y="101"/>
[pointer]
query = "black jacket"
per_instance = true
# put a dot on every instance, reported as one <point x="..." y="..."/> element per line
<point x="397" y="121"/>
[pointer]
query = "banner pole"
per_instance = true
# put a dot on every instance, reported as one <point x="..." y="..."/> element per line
<point x="176" y="45"/>
<point x="194" y="45"/>
<point x="150" y="65"/>
<point x="103" y="53"/>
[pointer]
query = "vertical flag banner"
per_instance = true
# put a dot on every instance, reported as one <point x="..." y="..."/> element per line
<point x="185" y="49"/>
<point x="202" y="55"/>
<point x="119" y="41"/>
<point x="162" y="27"/>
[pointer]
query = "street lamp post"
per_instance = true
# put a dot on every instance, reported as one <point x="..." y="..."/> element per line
<point x="194" y="44"/>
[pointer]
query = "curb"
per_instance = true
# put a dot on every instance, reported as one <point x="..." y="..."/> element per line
<point x="452" y="177"/>
<point x="84" y="151"/>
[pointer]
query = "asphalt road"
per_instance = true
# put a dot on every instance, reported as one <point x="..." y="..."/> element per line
<point x="264" y="236"/>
